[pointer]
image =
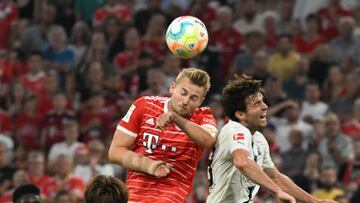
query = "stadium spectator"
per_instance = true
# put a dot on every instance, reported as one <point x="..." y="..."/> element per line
<point x="352" y="127"/>
<point x="64" y="179"/>
<point x="20" y="178"/>
<point x="34" y="37"/>
<point x="36" y="170"/>
<point x="71" y="130"/>
<point x="283" y="62"/>
<point x="328" y="188"/>
<point x="307" y="43"/>
<point x="111" y="7"/>
<point x="53" y="124"/>
<point x="336" y="149"/>
<point x="35" y="76"/>
<point x="28" y="123"/>
<point x="312" y="108"/>
<point x="227" y="39"/>
<point x="294" y="158"/>
<point x="9" y="14"/>
<point x="345" y="44"/>
<point x="96" y="162"/>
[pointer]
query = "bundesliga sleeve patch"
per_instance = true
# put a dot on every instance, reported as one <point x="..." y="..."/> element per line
<point x="239" y="137"/>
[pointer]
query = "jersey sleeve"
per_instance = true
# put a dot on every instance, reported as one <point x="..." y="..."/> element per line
<point x="239" y="139"/>
<point x="267" y="162"/>
<point x="207" y="121"/>
<point x="130" y="123"/>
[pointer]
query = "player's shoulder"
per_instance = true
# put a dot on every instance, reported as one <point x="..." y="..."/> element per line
<point x="237" y="126"/>
<point x="203" y="110"/>
<point x="143" y="100"/>
<point x="234" y="128"/>
<point x="155" y="98"/>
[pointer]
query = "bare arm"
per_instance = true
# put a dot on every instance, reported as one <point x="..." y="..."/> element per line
<point x="204" y="137"/>
<point x="250" y="169"/>
<point x="291" y="188"/>
<point x="120" y="153"/>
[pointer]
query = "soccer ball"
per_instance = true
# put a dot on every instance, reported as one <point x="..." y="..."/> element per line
<point x="186" y="36"/>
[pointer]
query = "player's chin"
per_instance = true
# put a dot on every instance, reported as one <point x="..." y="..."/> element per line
<point x="263" y="122"/>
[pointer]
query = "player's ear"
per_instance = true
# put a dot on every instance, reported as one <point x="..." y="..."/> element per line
<point x="240" y="115"/>
<point x="172" y="87"/>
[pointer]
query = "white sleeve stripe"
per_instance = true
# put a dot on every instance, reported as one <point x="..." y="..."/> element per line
<point x="126" y="131"/>
<point x="210" y="129"/>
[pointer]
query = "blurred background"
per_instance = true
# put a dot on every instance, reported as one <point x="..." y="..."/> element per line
<point x="69" y="69"/>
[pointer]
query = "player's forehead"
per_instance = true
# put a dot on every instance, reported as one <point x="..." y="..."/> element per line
<point x="256" y="97"/>
<point x="185" y="84"/>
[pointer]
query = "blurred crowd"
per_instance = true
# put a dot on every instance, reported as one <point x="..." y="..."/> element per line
<point x="69" y="69"/>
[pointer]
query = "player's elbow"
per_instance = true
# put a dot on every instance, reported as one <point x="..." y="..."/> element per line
<point x="209" y="142"/>
<point x="241" y="162"/>
<point x="115" y="154"/>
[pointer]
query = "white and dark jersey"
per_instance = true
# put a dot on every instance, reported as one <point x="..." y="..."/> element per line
<point x="227" y="183"/>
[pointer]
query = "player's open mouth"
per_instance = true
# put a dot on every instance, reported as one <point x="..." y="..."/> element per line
<point x="263" y="116"/>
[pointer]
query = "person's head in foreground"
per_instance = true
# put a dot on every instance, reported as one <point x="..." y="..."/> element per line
<point x="243" y="102"/>
<point x="106" y="189"/>
<point x="189" y="90"/>
<point x="28" y="193"/>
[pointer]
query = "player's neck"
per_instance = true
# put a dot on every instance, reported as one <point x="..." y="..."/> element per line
<point x="246" y="125"/>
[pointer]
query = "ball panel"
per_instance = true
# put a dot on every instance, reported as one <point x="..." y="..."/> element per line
<point x="186" y="36"/>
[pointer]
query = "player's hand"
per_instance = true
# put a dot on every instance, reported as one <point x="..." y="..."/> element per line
<point x="164" y="120"/>
<point x="283" y="197"/>
<point x="162" y="170"/>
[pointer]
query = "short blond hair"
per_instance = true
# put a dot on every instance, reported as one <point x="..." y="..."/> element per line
<point x="196" y="76"/>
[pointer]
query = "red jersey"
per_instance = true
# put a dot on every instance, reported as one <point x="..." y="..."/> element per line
<point x="8" y="14"/>
<point x="171" y="145"/>
<point x="352" y="128"/>
<point x="53" y="126"/>
<point x="123" y="13"/>
<point x="302" y="45"/>
<point x="42" y="182"/>
<point x="99" y="131"/>
<point x="229" y="43"/>
<point x="71" y="183"/>
<point x="34" y="83"/>
<point x="5" y="125"/>
<point x="328" y="21"/>
<point x="28" y="130"/>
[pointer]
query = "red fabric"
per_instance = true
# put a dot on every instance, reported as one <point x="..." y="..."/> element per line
<point x="72" y="183"/>
<point x="171" y="145"/>
<point x="10" y="14"/>
<point x="302" y="45"/>
<point x="35" y="85"/>
<point x="42" y="182"/>
<point x="157" y="48"/>
<point x="28" y="130"/>
<point x="100" y="132"/>
<point x="7" y="197"/>
<point x="121" y="12"/>
<point x="328" y="23"/>
<point x="229" y="42"/>
<point x="53" y="127"/>
<point x="206" y="15"/>
<point x="5" y="125"/>
<point x="352" y="129"/>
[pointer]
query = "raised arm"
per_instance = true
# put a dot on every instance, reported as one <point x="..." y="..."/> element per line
<point x="204" y="135"/>
<point x="251" y="170"/>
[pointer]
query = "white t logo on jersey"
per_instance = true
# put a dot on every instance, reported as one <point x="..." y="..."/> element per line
<point x="150" y="142"/>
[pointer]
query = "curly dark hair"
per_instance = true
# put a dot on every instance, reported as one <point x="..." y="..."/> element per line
<point x="236" y="92"/>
